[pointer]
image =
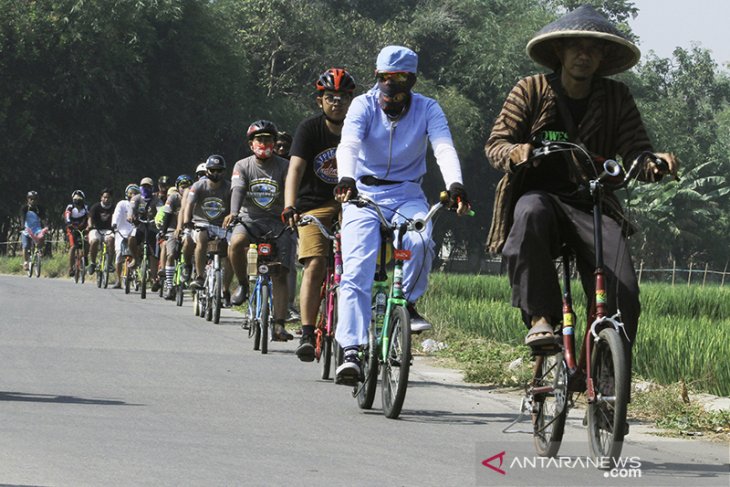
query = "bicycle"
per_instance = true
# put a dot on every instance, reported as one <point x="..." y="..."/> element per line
<point x="209" y="299"/>
<point x="178" y="281"/>
<point x="129" y="276"/>
<point x="389" y="333"/>
<point x="104" y="265"/>
<point x="35" y="252"/>
<point x="601" y="371"/>
<point x="327" y="318"/>
<point x="79" y="250"/>
<point x="261" y="266"/>
<point x="144" y="274"/>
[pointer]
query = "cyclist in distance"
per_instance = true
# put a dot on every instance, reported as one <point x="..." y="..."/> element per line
<point x="32" y="216"/>
<point x="388" y="164"/>
<point x="188" y="245"/>
<point x="122" y="228"/>
<point x="542" y="204"/>
<point x="310" y="184"/>
<point x="257" y="199"/>
<point x="75" y="217"/>
<point x="281" y="149"/>
<point x="144" y="206"/>
<point x="207" y="203"/>
<point x="163" y="184"/>
<point x="168" y="229"/>
<point x="100" y="226"/>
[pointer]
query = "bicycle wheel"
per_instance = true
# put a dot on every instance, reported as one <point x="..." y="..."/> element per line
<point x="607" y="414"/>
<point x="217" y="293"/>
<point x="77" y="272"/>
<point x="366" y="393"/>
<point x="31" y="264"/>
<point x="82" y="269"/>
<point x="397" y="362"/>
<point x="126" y="278"/>
<point x="179" y="294"/>
<point x="196" y="303"/>
<point x="105" y="270"/>
<point x="99" y="275"/>
<point x="38" y="258"/>
<point x="143" y="279"/>
<point x="254" y="321"/>
<point x="550" y="408"/>
<point x="325" y="335"/>
<point x="265" y="312"/>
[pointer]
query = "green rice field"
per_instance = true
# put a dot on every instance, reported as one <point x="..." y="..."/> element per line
<point x="684" y="331"/>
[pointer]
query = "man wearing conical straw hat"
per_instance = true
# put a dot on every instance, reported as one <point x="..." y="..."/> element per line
<point x="542" y="203"/>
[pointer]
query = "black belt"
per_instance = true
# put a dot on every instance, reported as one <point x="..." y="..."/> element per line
<point x="373" y="181"/>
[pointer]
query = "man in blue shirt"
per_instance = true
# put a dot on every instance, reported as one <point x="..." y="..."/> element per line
<point x="382" y="154"/>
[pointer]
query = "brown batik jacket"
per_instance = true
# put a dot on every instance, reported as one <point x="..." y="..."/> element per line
<point x="611" y="127"/>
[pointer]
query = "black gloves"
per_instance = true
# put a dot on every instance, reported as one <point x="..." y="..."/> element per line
<point x="345" y="185"/>
<point x="457" y="194"/>
<point x="288" y="214"/>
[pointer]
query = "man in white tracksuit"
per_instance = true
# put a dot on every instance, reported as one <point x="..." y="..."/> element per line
<point x="382" y="154"/>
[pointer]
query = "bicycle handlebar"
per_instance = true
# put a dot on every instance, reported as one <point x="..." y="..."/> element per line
<point x="313" y="220"/>
<point x="611" y="168"/>
<point x="417" y="225"/>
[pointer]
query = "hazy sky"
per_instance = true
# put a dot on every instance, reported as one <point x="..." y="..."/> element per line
<point x="663" y="25"/>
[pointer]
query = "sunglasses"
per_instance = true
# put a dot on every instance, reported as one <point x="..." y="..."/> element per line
<point x="399" y="77"/>
<point x="216" y="170"/>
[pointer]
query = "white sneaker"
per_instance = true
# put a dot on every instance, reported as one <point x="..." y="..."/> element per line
<point x="418" y="322"/>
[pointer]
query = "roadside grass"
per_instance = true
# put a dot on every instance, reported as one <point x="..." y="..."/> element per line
<point x="55" y="266"/>
<point x="682" y="337"/>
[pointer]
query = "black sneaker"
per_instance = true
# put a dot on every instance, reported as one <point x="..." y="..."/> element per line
<point x="226" y="299"/>
<point x="91" y="268"/>
<point x="156" y="286"/>
<point x="418" y="322"/>
<point x="240" y="295"/>
<point x="348" y="373"/>
<point x="305" y="350"/>
<point x="169" y="293"/>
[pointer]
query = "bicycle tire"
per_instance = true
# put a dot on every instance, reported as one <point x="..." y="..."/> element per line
<point x="397" y="362"/>
<point x="38" y="259"/>
<point x="82" y="269"/>
<point x="179" y="294"/>
<point x="105" y="271"/>
<point x="550" y="409"/>
<point x="208" y="306"/>
<point x="217" y="292"/>
<point x="265" y="312"/>
<point x="366" y="393"/>
<point x="77" y="272"/>
<point x="31" y="263"/>
<point x="255" y="323"/>
<point x="196" y="303"/>
<point x="99" y="276"/>
<point x="329" y="341"/>
<point x="607" y="417"/>
<point x="143" y="279"/>
<point x="125" y="277"/>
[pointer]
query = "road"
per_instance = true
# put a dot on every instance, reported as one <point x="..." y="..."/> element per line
<point x="102" y="388"/>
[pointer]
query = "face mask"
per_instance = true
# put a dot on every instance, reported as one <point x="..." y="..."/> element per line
<point x="394" y="97"/>
<point x="146" y="192"/>
<point x="261" y="150"/>
<point x="214" y="176"/>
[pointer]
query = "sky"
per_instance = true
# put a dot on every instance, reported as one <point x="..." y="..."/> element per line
<point x="663" y="25"/>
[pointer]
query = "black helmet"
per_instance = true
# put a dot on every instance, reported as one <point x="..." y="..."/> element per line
<point x="336" y="79"/>
<point x="261" y="127"/>
<point x="163" y="181"/>
<point x="215" y="162"/>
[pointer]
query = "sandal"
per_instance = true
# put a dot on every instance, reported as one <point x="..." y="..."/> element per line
<point x="540" y="334"/>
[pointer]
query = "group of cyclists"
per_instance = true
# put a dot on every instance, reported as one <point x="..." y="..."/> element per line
<point x="375" y="145"/>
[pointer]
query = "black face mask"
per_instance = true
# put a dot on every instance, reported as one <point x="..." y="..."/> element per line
<point x="214" y="176"/>
<point x="394" y="98"/>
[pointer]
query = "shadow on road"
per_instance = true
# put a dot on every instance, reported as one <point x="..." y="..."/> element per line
<point x="450" y="417"/>
<point x="25" y="397"/>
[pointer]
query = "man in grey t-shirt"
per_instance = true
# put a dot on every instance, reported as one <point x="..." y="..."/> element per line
<point x="257" y="199"/>
<point x="207" y="204"/>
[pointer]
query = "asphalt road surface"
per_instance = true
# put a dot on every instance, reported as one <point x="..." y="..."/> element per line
<point x="102" y="388"/>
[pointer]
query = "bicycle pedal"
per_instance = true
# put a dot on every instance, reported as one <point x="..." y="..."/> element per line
<point x="545" y="350"/>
